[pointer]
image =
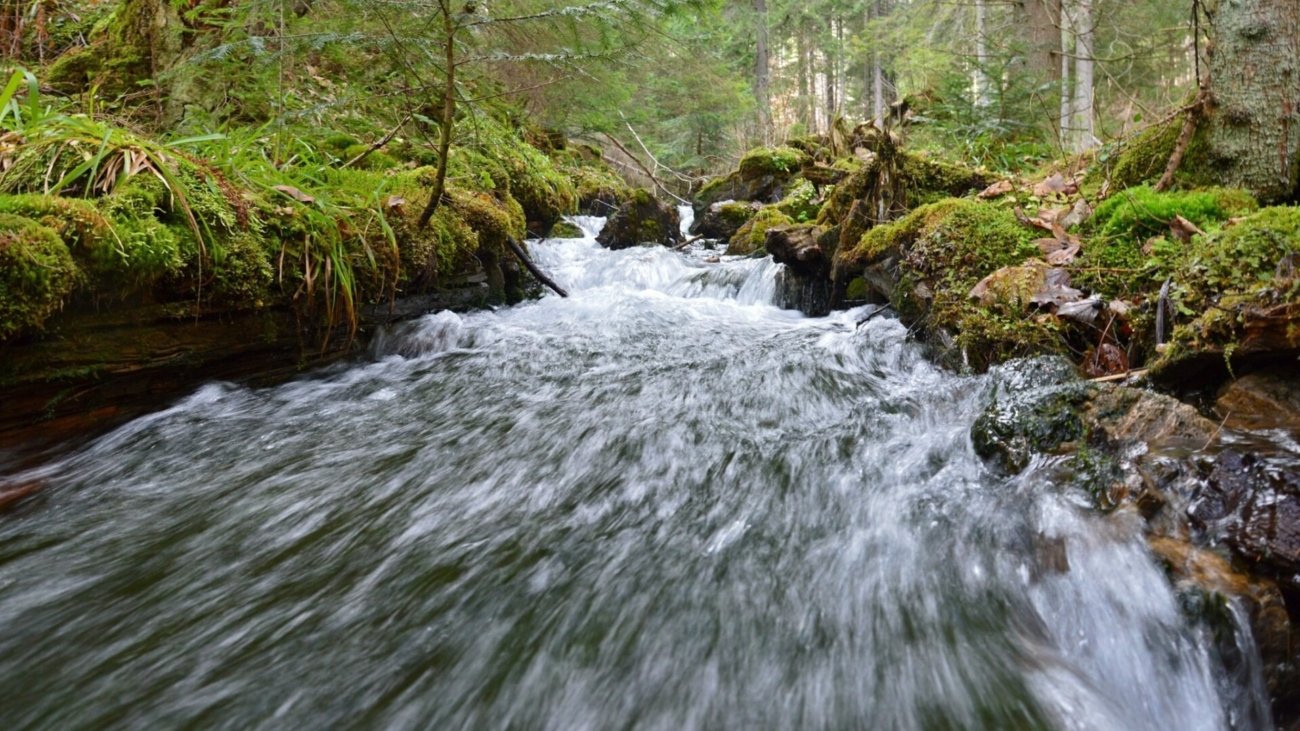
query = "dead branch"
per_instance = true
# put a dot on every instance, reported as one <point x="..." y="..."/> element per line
<point x="644" y="169"/>
<point x="531" y="267"/>
<point x="1193" y="112"/>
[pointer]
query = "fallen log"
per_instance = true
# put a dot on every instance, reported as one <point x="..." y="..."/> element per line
<point x="531" y="267"/>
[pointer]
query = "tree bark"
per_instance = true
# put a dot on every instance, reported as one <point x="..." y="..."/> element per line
<point x="1255" y="83"/>
<point x="805" y="100"/>
<point x="1067" y="96"/>
<point x="1082" y="125"/>
<point x="762" y="72"/>
<point x="982" y="82"/>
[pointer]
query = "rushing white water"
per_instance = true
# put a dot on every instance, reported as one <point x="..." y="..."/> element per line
<point x="661" y="503"/>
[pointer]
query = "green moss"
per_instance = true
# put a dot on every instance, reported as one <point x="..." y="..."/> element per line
<point x="930" y="181"/>
<point x="1146" y="156"/>
<point x="36" y="274"/>
<point x="736" y="214"/>
<point x="566" y="230"/>
<point x="752" y="237"/>
<point x="941" y="252"/>
<point x="771" y="161"/>
<point x="377" y="160"/>
<point x="857" y="290"/>
<point x="1244" y="258"/>
<point x="1140" y="213"/>
<point x="801" y="204"/>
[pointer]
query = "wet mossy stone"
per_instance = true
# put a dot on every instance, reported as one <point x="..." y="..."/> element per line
<point x="722" y="220"/>
<point x="1034" y="407"/>
<point x="566" y="230"/>
<point x="752" y="236"/>
<point x="642" y="220"/>
<point x="36" y="274"/>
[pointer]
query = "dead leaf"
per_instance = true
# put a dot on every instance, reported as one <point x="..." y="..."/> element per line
<point x="1084" y="311"/>
<point x="1063" y="257"/>
<point x="1055" y="185"/>
<point x="1184" y="230"/>
<point x="1107" y="360"/>
<point x="295" y="194"/>
<point x="1120" y="307"/>
<point x="1234" y="221"/>
<point x="396" y="201"/>
<point x="1104" y="193"/>
<point x="997" y="190"/>
<point x="1035" y="222"/>
<point x="1078" y="214"/>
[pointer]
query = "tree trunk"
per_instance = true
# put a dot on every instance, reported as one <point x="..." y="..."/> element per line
<point x="1255" y="83"/>
<point x="1067" y="50"/>
<point x="1084" y="137"/>
<point x="982" y="83"/>
<point x="805" y="101"/>
<point x="762" y="72"/>
<point x="1042" y="39"/>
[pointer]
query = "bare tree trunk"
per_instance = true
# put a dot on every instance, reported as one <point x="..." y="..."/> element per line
<point x="831" y="81"/>
<point x="1083" y="122"/>
<point x="1067" y="49"/>
<point x="1039" y="22"/>
<point x="1255" y="82"/>
<point x="877" y="76"/>
<point x="762" y="73"/>
<point x="805" y="100"/>
<point x="982" y="83"/>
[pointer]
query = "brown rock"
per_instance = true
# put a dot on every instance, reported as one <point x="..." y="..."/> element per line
<point x="797" y="247"/>
<point x="1268" y="399"/>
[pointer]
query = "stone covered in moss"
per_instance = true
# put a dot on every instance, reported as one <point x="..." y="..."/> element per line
<point x="642" y="220"/>
<point x="751" y="237"/>
<point x="722" y="220"/>
<point x="927" y="263"/>
<point x="763" y="176"/>
<point x="1146" y="156"/>
<point x="36" y="274"/>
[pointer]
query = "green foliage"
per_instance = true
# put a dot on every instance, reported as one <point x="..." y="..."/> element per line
<point x="801" y="203"/>
<point x="36" y="274"/>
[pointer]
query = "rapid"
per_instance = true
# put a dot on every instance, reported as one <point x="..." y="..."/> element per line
<point x="661" y="503"/>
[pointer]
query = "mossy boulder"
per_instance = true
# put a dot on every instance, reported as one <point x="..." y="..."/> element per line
<point x="567" y="230"/>
<point x="642" y="220"/>
<point x="722" y="220"/>
<point x="752" y="235"/>
<point x="926" y="265"/>
<point x="1146" y="155"/>
<point x="36" y="274"/>
<point x="763" y="176"/>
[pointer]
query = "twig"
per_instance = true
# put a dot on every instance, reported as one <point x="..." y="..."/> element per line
<point x="387" y="138"/>
<point x="528" y="264"/>
<point x="1184" y="140"/>
<point x="687" y="242"/>
<point x="1120" y="376"/>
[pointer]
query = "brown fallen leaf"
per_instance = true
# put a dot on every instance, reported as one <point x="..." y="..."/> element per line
<point x="1064" y="256"/>
<point x="997" y="190"/>
<point x="1107" y="360"/>
<point x="396" y="201"/>
<point x="1184" y="230"/>
<point x="1055" y="185"/>
<point x="295" y="194"/>
<point x="1035" y="222"/>
<point x="1077" y="215"/>
<point x="1084" y="311"/>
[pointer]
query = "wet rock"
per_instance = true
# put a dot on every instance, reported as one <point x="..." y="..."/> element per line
<point x="1267" y="399"/>
<point x="1040" y="406"/>
<point x="799" y="249"/>
<point x="762" y="176"/>
<point x="566" y="230"/>
<point x="809" y="295"/>
<point x="1253" y="505"/>
<point x="722" y="220"/>
<point x="642" y="220"/>
<point x="1219" y="597"/>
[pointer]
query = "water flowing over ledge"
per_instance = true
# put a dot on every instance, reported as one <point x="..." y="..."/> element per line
<point x="659" y="503"/>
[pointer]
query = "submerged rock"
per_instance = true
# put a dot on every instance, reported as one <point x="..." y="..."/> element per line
<point x="642" y="220"/>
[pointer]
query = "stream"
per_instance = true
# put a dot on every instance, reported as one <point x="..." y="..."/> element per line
<point x="662" y="503"/>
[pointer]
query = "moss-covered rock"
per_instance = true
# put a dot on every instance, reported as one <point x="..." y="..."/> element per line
<point x="722" y="220"/>
<point x="36" y="274"/>
<point x="926" y="265"/>
<point x="752" y="235"/>
<point x="1145" y="157"/>
<point x="567" y="230"/>
<point x="642" y="220"/>
<point x="771" y="161"/>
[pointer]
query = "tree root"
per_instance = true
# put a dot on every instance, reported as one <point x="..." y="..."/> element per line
<point x="531" y="267"/>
